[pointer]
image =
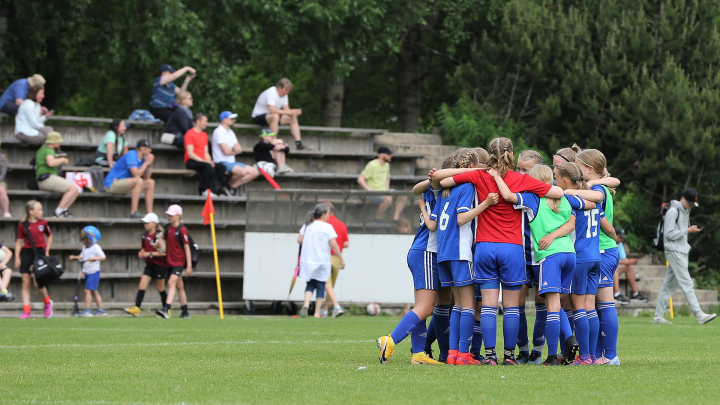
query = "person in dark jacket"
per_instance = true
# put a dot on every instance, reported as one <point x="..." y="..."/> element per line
<point x="181" y="119"/>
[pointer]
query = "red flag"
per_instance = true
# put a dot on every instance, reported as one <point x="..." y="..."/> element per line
<point x="208" y="209"/>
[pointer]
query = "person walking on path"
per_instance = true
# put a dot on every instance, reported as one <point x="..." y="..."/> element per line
<point x="676" y="229"/>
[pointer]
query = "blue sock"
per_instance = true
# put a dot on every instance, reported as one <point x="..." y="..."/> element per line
<point x="539" y="329"/>
<point x="406" y="325"/>
<point x="594" y="325"/>
<point x="467" y="324"/>
<point x="455" y="328"/>
<point x="552" y="332"/>
<point x="600" y="345"/>
<point x="522" y="340"/>
<point x="582" y="331"/>
<point x="431" y="336"/>
<point x="511" y="324"/>
<point x="565" y="328"/>
<point x="477" y="340"/>
<point x="571" y="321"/>
<point x="441" y="318"/>
<point x="488" y="322"/>
<point x="418" y="336"/>
<point x="609" y="325"/>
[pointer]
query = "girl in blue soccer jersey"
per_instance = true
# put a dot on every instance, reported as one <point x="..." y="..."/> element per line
<point x="454" y="219"/>
<point x="551" y="222"/>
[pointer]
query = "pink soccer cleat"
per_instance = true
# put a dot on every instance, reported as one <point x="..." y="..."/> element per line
<point x="25" y="315"/>
<point x="48" y="309"/>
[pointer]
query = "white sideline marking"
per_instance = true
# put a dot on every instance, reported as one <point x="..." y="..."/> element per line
<point x="245" y="342"/>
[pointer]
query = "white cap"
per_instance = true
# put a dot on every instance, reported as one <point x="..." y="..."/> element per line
<point x="151" y="217"/>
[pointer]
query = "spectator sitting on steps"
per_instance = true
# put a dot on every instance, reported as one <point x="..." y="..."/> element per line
<point x="113" y="146"/>
<point x="625" y="266"/>
<point x="270" y="154"/>
<point x="197" y="157"/>
<point x="376" y="177"/>
<point x="46" y="170"/>
<point x="181" y="119"/>
<point x="272" y="109"/>
<point x="30" y="120"/>
<point x="131" y="174"/>
<point x="225" y="146"/>
<point x="15" y="94"/>
<point x="164" y="90"/>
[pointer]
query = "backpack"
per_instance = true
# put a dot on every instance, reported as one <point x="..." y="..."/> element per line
<point x="98" y="177"/>
<point x="659" y="241"/>
<point x="32" y="183"/>
<point x="193" y="246"/>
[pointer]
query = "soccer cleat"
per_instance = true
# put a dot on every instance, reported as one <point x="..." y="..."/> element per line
<point x="163" y="313"/>
<point x="705" y="318"/>
<point x="452" y="357"/>
<point x="422" y="358"/>
<point x="620" y="298"/>
<point x="100" y="312"/>
<point x="535" y="358"/>
<point x="25" y="315"/>
<point x="337" y="312"/>
<point x="523" y="357"/>
<point x="579" y="362"/>
<point x="491" y="361"/>
<point x="465" y="359"/>
<point x="49" y="309"/>
<point x="386" y="346"/>
<point x="478" y="356"/>
<point x="510" y="361"/>
<point x="614" y="362"/>
<point x="572" y="347"/>
<point x="638" y="298"/>
<point x="560" y="358"/>
<point x="86" y="313"/>
<point x="601" y="361"/>
<point x="661" y="320"/>
<point x="551" y="361"/>
<point x="303" y="312"/>
<point x="134" y="311"/>
<point x="185" y="315"/>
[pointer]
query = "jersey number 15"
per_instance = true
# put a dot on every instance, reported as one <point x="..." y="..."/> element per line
<point x="592" y="223"/>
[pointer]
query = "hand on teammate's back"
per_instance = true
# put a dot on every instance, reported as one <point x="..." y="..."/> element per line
<point x="492" y="198"/>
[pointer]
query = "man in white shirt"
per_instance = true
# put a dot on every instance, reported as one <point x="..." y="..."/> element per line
<point x="272" y="109"/>
<point x="225" y="146"/>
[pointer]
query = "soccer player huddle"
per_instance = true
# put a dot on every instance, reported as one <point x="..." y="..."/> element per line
<point x="484" y="226"/>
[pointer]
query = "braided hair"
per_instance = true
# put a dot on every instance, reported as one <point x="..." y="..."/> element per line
<point x="501" y="155"/>
<point x="464" y="158"/>
<point x="572" y="172"/>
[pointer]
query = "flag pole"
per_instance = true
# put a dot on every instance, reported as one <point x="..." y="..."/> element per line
<point x="217" y="267"/>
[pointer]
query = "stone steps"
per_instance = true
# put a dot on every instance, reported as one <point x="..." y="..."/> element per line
<point x="396" y="138"/>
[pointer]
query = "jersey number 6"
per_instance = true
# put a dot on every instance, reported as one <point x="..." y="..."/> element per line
<point x="444" y="217"/>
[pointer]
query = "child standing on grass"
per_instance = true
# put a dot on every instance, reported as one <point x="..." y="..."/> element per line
<point x="91" y="256"/>
<point x="152" y="250"/>
<point x="25" y="255"/>
<point x="316" y="238"/>
<point x="178" y="259"/>
<point x="5" y="274"/>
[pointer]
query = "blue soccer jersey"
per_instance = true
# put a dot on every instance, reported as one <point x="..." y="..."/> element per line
<point x="424" y="239"/>
<point x="455" y="242"/>
<point x="528" y="247"/>
<point x="586" y="235"/>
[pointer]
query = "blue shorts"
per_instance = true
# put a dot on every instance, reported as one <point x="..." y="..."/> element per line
<point x="585" y="278"/>
<point x="230" y="165"/>
<point x="478" y="293"/>
<point x="531" y="272"/>
<point x="609" y="261"/>
<point x="92" y="281"/>
<point x="556" y="272"/>
<point x="424" y="268"/>
<point x="317" y="286"/>
<point x="455" y="273"/>
<point x="500" y="261"/>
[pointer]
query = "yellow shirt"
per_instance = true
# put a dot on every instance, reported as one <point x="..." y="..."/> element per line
<point x="376" y="175"/>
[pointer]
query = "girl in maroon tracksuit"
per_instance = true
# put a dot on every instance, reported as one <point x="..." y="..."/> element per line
<point x="24" y="254"/>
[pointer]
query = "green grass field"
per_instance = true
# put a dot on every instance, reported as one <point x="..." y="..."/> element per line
<point x="253" y="360"/>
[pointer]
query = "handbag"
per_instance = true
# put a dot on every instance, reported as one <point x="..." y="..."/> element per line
<point x="47" y="268"/>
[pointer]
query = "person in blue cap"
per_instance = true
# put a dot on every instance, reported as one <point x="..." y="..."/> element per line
<point x="164" y="90"/>
<point x="91" y="256"/>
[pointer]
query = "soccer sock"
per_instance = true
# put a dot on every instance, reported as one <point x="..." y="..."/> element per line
<point x="46" y="300"/>
<point x="488" y="323"/>
<point x="477" y="340"/>
<point x="552" y="332"/>
<point x="167" y="306"/>
<point x="539" y="329"/>
<point x="511" y="323"/>
<point x="582" y="331"/>
<point x="163" y="296"/>
<point x="466" y="330"/>
<point x="565" y="329"/>
<point x="522" y="340"/>
<point x="406" y="325"/>
<point x="418" y="335"/>
<point x="431" y="336"/>
<point x="594" y="326"/>
<point x="610" y="326"/>
<point x="26" y="308"/>
<point x="455" y="328"/>
<point x="441" y="318"/>
<point x="139" y="298"/>
<point x="571" y="321"/>
<point x="59" y="211"/>
<point x="183" y="308"/>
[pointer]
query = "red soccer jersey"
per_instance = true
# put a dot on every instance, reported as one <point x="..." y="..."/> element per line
<point x="175" y="251"/>
<point x="199" y="140"/>
<point x="38" y="230"/>
<point x="340" y="230"/>
<point x="501" y="223"/>
<point x="147" y="245"/>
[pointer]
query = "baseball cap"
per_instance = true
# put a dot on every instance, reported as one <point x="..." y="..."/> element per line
<point x="691" y="196"/>
<point x="174" y="210"/>
<point x="227" y="114"/>
<point x="619" y="231"/>
<point x="166" y="68"/>
<point x="92" y="233"/>
<point x="143" y="143"/>
<point x="54" y="137"/>
<point x="151" y="217"/>
<point x="385" y="150"/>
<point x="266" y="132"/>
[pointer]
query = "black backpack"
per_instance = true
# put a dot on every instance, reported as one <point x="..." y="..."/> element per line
<point x="193" y="246"/>
<point x="659" y="241"/>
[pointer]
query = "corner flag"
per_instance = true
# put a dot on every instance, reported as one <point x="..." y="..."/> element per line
<point x="208" y="214"/>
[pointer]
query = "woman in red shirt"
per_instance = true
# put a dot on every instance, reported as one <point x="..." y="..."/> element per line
<point x="24" y="254"/>
<point x="197" y="157"/>
<point x="499" y="256"/>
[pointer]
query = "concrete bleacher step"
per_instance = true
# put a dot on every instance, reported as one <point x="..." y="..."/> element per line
<point x="398" y="138"/>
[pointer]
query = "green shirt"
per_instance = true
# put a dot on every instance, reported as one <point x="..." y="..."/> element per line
<point x="118" y="142"/>
<point x="41" y="166"/>
<point x="546" y="222"/>
<point x="377" y="175"/>
<point x="607" y="242"/>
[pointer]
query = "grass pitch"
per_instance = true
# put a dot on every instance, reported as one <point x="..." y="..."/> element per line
<point x="287" y="361"/>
